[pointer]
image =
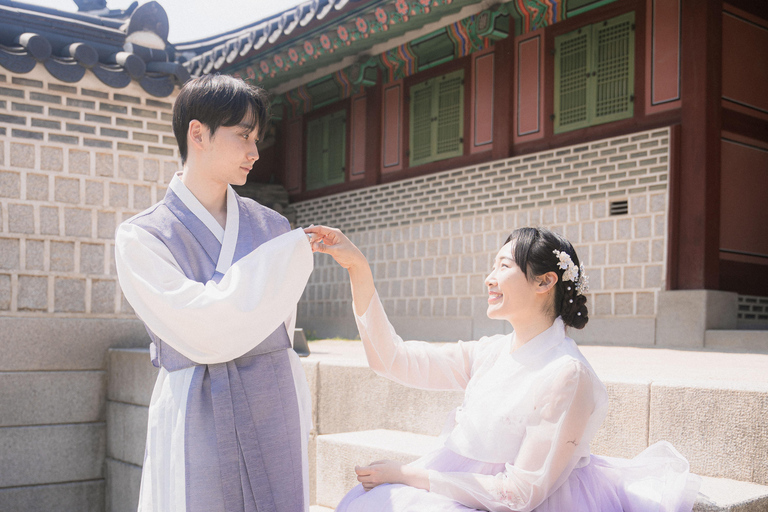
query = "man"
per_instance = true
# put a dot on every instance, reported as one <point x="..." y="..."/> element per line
<point x="216" y="279"/>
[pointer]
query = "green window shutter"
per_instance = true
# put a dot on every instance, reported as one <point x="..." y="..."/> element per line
<point x="437" y="119"/>
<point x="450" y="115"/>
<point x="572" y="84"/>
<point x="614" y="57"/>
<point x="421" y="145"/>
<point x="335" y="148"/>
<point x="315" y="164"/>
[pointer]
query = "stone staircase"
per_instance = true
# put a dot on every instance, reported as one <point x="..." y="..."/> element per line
<point x="711" y="405"/>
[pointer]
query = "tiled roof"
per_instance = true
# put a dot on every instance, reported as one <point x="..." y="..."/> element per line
<point x="117" y="51"/>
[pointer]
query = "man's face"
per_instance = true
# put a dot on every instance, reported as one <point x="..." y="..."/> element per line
<point x="231" y="152"/>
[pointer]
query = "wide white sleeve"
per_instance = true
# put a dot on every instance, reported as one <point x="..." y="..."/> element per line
<point x="547" y="454"/>
<point x="212" y="322"/>
<point x="416" y="364"/>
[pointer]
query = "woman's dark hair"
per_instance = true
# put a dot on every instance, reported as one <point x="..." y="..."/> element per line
<point x="534" y="254"/>
<point x="218" y="100"/>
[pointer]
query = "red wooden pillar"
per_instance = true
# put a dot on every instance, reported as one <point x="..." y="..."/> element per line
<point x="697" y="208"/>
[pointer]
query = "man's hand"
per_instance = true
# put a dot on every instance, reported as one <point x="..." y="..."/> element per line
<point x="391" y="472"/>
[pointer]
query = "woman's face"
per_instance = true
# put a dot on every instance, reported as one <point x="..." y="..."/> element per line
<point x="510" y="294"/>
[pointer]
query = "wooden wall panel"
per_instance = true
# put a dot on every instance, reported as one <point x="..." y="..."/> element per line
<point x="357" y="137"/>
<point x="391" y="127"/>
<point x="662" y="63"/>
<point x="745" y="63"/>
<point x="481" y="123"/>
<point x="743" y="189"/>
<point x="529" y="87"/>
<point x="294" y="155"/>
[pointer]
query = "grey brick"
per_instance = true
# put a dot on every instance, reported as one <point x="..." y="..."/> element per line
<point x="44" y="123"/>
<point x="141" y="112"/>
<point x="142" y="197"/>
<point x="79" y="162"/>
<point x="62" y="88"/>
<point x="48" y="98"/>
<point x="74" y="127"/>
<point x="5" y="118"/>
<point x="68" y="114"/>
<point x="98" y="119"/>
<point x="102" y="296"/>
<point x="108" y="107"/>
<point x="5" y="292"/>
<point x="7" y="91"/>
<point x="37" y="187"/>
<point x="66" y="139"/>
<point x="106" y="224"/>
<point x="159" y="104"/>
<point x="23" y="107"/>
<point x="111" y="132"/>
<point x="128" y="167"/>
<point x="72" y="102"/>
<point x="151" y="169"/>
<point x="35" y="255"/>
<point x="69" y="295"/>
<point x="33" y="293"/>
<point x="132" y="123"/>
<point x="22" y="155"/>
<point x="21" y="218"/>
<point x="126" y="98"/>
<point x="77" y="222"/>
<point x="67" y="190"/>
<point x="94" y="192"/>
<point x="49" y="220"/>
<point x="96" y="94"/>
<point x="159" y="127"/>
<point x="51" y="159"/>
<point x="118" y="195"/>
<point x="26" y="134"/>
<point x="159" y="151"/>
<point x="146" y="137"/>
<point x="63" y="256"/>
<point x="96" y="143"/>
<point x="10" y="184"/>
<point x="124" y="146"/>
<point x="92" y="258"/>
<point x="9" y="253"/>
<point x="105" y="165"/>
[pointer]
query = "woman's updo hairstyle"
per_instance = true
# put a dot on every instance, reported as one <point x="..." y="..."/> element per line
<point x="534" y="253"/>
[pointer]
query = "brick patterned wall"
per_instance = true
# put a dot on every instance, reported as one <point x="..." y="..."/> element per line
<point x="753" y="311"/>
<point x="431" y="240"/>
<point x="75" y="160"/>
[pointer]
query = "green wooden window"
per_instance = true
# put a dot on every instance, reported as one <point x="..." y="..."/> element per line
<point x="326" y="150"/>
<point x="595" y="74"/>
<point x="437" y="119"/>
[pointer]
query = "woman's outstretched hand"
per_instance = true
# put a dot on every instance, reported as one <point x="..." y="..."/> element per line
<point x="391" y="472"/>
<point x="334" y="242"/>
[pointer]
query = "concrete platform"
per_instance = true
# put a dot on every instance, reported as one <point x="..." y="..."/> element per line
<point x="716" y="494"/>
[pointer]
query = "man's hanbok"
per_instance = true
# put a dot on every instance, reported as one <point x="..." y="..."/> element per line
<point x="520" y="439"/>
<point x="230" y="412"/>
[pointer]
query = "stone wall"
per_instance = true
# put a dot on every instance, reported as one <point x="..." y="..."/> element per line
<point x="75" y="160"/>
<point x="431" y="240"/>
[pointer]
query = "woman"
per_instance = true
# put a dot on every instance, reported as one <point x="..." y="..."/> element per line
<point x="520" y="440"/>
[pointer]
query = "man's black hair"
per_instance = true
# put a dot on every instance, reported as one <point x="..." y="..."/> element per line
<point x="218" y="100"/>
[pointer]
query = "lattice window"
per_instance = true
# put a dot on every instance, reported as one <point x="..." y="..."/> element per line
<point x="326" y="150"/>
<point x="594" y="74"/>
<point x="437" y="119"/>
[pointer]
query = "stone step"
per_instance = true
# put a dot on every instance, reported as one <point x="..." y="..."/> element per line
<point x="684" y="397"/>
<point x="746" y="340"/>
<point x="337" y="455"/>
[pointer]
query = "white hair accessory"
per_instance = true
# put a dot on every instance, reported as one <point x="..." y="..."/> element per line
<point x="572" y="273"/>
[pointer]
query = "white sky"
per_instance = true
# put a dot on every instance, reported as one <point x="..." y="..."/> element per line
<point x="195" y="19"/>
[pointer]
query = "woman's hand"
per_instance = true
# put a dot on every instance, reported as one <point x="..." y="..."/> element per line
<point x="391" y="472"/>
<point x="334" y="242"/>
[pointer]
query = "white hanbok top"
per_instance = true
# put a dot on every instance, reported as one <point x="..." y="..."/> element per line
<point x="533" y="410"/>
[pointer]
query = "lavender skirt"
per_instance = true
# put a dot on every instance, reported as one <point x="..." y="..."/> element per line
<point x="657" y="480"/>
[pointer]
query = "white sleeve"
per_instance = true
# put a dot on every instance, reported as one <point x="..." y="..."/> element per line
<point x="416" y="364"/>
<point x="212" y="322"/>
<point x="546" y="457"/>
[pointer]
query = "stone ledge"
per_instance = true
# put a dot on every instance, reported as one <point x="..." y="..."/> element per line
<point x="126" y="432"/>
<point x="58" y="397"/>
<point x="51" y="454"/>
<point x="123" y="484"/>
<point x="339" y="453"/>
<point x="752" y="341"/>
<point x="70" y="497"/>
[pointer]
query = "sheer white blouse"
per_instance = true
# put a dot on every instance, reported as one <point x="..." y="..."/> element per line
<point x="534" y="410"/>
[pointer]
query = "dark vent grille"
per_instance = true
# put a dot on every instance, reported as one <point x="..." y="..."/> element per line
<point x="619" y="207"/>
